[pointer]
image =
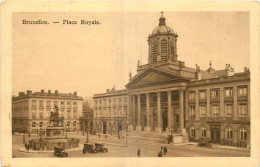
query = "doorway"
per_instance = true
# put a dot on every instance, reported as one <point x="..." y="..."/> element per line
<point x="165" y="120"/>
<point x="104" y="127"/>
<point x="215" y="133"/>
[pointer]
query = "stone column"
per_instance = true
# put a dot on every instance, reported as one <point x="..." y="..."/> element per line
<point x="169" y="110"/>
<point x="248" y="102"/>
<point x="133" y="111"/>
<point x="112" y="109"/>
<point x="181" y="127"/>
<point x="235" y="110"/>
<point x="208" y="103"/>
<point x="147" y="128"/>
<point x="37" y="109"/>
<point x="138" y="127"/>
<point x="130" y="101"/>
<point x="65" y="110"/>
<point x="30" y="108"/>
<point x="158" y="127"/>
<point x="181" y="108"/>
<point x="197" y="113"/>
<point x="221" y="107"/>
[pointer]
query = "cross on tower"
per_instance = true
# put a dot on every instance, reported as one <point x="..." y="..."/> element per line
<point x="162" y="13"/>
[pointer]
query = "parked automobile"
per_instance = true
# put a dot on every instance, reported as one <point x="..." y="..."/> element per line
<point x="100" y="147"/>
<point x="89" y="148"/>
<point x="205" y="142"/>
<point x="60" y="152"/>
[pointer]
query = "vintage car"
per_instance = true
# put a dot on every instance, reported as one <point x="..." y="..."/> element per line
<point x="89" y="148"/>
<point x="60" y="152"/>
<point x="100" y="147"/>
<point x="205" y="142"/>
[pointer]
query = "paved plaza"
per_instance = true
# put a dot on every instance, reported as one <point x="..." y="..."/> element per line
<point x="117" y="148"/>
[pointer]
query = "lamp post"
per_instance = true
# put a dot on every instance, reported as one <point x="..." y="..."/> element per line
<point x="24" y="132"/>
<point x="87" y="133"/>
<point x="41" y="136"/>
<point x="127" y="123"/>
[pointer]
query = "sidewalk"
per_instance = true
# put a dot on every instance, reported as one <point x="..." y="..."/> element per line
<point x="223" y="146"/>
<point x="22" y="149"/>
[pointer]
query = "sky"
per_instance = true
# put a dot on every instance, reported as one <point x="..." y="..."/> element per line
<point x="91" y="58"/>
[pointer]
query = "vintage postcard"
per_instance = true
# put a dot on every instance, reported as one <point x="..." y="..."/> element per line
<point x="130" y="83"/>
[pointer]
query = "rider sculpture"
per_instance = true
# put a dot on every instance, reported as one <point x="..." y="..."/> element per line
<point x="55" y="118"/>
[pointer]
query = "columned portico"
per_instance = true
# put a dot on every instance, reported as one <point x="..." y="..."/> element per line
<point x="159" y="110"/>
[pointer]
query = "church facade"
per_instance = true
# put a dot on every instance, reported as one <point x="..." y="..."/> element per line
<point x="165" y="96"/>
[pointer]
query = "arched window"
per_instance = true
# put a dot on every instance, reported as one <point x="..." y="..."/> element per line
<point x="192" y="131"/>
<point x="172" y="49"/>
<point x="243" y="133"/>
<point x="163" y="46"/>
<point x="33" y="124"/>
<point x="203" y="131"/>
<point x="41" y="123"/>
<point x="229" y="133"/>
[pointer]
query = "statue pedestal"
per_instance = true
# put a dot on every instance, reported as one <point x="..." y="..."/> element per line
<point x="55" y="132"/>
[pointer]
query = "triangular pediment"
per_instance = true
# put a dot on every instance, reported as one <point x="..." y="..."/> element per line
<point x="152" y="77"/>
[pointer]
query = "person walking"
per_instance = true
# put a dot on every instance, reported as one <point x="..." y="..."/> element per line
<point x="138" y="152"/>
<point x="165" y="150"/>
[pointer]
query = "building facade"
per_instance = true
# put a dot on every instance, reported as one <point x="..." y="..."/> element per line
<point x="31" y="111"/>
<point x="110" y="111"/>
<point x="167" y="96"/>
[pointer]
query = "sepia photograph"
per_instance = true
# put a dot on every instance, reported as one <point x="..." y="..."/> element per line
<point x="131" y="84"/>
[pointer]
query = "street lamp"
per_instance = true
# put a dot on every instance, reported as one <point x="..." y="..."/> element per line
<point x="127" y="123"/>
<point x="23" y="127"/>
<point x="87" y="133"/>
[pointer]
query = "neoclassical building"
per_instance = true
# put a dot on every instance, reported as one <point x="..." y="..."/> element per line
<point x="165" y="96"/>
<point x="31" y="110"/>
<point x="110" y="111"/>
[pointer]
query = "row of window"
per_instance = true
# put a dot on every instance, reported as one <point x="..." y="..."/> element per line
<point x="215" y="111"/>
<point x="119" y="100"/>
<point x="215" y="93"/>
<point x="55" y="103"/>
<point x="228" y="133"/>
<point x="48" y="113"/>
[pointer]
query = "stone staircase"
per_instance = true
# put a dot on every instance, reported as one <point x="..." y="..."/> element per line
<point x="147" y="137"/>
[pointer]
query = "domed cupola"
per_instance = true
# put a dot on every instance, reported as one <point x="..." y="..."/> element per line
<point x="162" y="43"/>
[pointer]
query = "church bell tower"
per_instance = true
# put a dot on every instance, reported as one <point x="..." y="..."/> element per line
<point x="162" y="43"/>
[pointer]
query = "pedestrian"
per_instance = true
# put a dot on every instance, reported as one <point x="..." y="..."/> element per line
<point x="34" y="147"/>
<point x="165" y="150"/>
<point x="138" y="152"/>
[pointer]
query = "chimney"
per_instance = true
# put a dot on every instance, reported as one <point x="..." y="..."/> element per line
<point x="21" y="93"/>
<point x="49" y="92"/>
<point x="42" y="91"/>
<point x="56" y="92"/>
<point x="28" y="92"/>
<point x="75" y="93"/>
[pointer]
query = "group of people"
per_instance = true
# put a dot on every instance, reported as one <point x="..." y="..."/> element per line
<point x="27" y="146"/>
<point x="163" y="151"/>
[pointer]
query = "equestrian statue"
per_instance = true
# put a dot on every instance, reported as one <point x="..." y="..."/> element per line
<point x="55" y="118"/>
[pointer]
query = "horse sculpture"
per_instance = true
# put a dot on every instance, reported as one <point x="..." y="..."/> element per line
<point x="55" y="118"/>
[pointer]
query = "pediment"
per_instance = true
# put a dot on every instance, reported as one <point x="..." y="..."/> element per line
<point x="153" y="77"/>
